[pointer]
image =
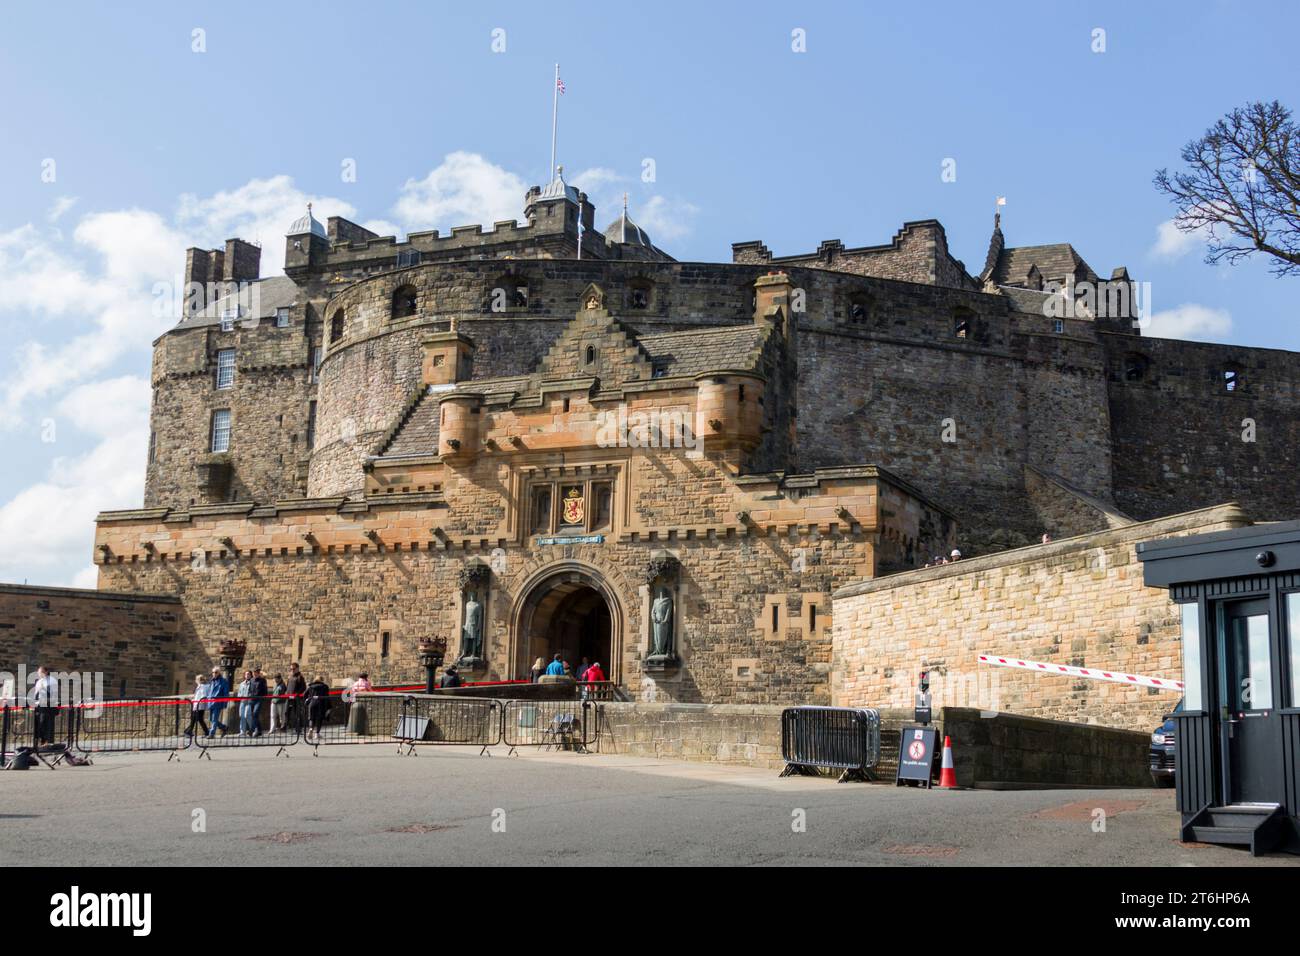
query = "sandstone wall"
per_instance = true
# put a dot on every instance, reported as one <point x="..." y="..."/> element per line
<point x="141" y="643"/>
<point x="1078" y="601"/>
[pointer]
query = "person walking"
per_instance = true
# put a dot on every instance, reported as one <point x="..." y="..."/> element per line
<point x="245" y="705"/>
<point x="218" y="691"/>
<point x="197" y="705"/>
<point x="279" y="705"/>
<point x="297" y="684"/>
<point x="260" y="691"/>
<point x="318" y="702"/>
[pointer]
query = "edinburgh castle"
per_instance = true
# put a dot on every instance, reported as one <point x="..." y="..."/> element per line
<point x="727" y="482"/>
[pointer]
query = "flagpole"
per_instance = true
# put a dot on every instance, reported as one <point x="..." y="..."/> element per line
<point x="555" y="112"/>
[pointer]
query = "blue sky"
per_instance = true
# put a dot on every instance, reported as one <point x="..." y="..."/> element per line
<point x="157" y="147"/>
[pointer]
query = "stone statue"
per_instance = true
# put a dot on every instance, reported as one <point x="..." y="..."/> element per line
<point x="661" y="618"/>
<point x="471" y="644"/>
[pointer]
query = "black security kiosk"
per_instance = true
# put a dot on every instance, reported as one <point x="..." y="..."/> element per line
<point x="1237" y="737"/>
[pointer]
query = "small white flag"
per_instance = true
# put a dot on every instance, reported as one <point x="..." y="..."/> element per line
<point x="1002" y="200"/>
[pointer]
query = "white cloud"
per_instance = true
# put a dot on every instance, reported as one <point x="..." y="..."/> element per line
<point x="1190" y="321"/>
<point x="666" y="219"/>
<point x="61" y="205"/>
<point x="1172" y="243"/>
<point x="464" y="189"/>
<point x="48" y="527"/>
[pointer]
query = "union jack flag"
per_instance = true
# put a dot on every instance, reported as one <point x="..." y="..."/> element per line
<point x="559" y="84"/>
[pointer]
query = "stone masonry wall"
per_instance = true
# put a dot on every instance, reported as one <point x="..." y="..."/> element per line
<point x="141" y="643"/>
<point x="1078" y="601"/>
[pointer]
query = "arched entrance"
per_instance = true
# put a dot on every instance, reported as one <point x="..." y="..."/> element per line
<point x="572" y="612"/>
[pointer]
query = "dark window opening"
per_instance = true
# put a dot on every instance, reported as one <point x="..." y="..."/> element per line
<point x="640" y="298"/>
<point x="383" y="644"/>
<point x="776" y="611"/>
<point x="1232" y="381"/>
<point x="591" y="354"/>
<point x="1135" y="368"/>
<point x="859" y="313"/>
<point x="541" y="510"/>
<point x="336" y="327"/>
<point x="404" y="302"/>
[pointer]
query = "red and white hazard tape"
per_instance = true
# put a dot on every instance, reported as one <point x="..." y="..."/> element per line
<point x="1089" y="672"/>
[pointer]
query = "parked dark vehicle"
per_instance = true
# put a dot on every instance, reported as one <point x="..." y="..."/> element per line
<point x="1162" y="751"/>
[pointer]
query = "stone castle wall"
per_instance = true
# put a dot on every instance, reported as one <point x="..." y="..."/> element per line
<point x="1078" y="601"/>
<point x="139" y="642"/>
<point x="874" y="391"/>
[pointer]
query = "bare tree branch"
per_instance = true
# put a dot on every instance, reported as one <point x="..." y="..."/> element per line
<point x="1241" y="187"/>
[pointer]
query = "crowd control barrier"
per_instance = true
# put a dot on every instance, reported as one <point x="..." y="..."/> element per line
<point x="562" y="724"/>
<point x="123" y="726"/>
<point x="845" y="738"/>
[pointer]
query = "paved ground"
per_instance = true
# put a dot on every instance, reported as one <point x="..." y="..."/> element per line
<point x="367" y="805"/>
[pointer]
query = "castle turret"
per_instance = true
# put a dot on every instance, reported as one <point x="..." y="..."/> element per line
<point x="459" y="414"/>
<point x="307" y="245"/>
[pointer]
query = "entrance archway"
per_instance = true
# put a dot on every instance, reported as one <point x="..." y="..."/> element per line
<point x="571" y="612"/>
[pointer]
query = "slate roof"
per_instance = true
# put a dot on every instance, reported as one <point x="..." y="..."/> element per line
<point x="701" y="350"/>
<point x="1054" y="261"/>
<point x="266" y="294"/>
<point x="419" y="433"/>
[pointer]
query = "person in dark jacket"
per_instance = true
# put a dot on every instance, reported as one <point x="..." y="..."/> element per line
<point x="259" y="692"/>
<point x="451" y="678"/>
<point x="296" y="687"/>
<point x="318" y="705"/>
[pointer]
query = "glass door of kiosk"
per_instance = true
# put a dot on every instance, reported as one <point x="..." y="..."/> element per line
<point x="1249" y="725"/>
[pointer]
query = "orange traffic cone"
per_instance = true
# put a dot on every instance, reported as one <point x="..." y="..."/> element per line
<point x="947" y="776"/>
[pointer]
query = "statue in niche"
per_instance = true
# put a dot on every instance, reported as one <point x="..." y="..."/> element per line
<point x="471" y="642"/>
<point x="661" y="620"/>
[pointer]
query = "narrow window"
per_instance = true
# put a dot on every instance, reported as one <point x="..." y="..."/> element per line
<point x="336" y="327"/>
<point x="282" y="318"/>
<point x="225" y="368"/>
<point x="228" y="317"/>
<point x="541" y="509"/>
<point x="1231" y="379"/>
<point x="858" y="312"/>
<point x="740" y="394"/>
<point x="1193" y="698"/>
<point x="383" y="645"/>
<point x="1058" y="326"/>
<point x="591" y="354"/>
<point x="602" y="505"/>
<point x="221" y="430"/>
<point x="404" y="302"/>
<point x="316" y="354"/>
<point x="153" y="444"/>
<point x="1135" y="367"/>
<point x="776" y="611"/>
<point x="566" y="406"/>
<point x="812" y="617"/>
<point x="300" y="649"/>
<point x="311" y="424"/>
<point x="520" y="297"/>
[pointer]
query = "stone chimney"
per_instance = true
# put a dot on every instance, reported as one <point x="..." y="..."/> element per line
<point x="448" y="357"/>
<point x="242" y="261"/>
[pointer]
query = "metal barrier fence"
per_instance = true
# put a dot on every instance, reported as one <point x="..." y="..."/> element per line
<point x="563" y="724"/>
<point x="270" y="721"/>
<point x="122" y="726"/>
<point x="407" y="719"/>
<point x="45" y="733"/>
<point x="842" y="737"/>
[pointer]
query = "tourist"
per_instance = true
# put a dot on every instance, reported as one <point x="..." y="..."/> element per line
<point x="1047" y="538"/>
<point x="362" y="683"/>
<point x="956" y="555"/>
<point x="197" y="705"/>
<point x="259" y="694"/>
<point x="297" y="684"/>
<point x="218" y="689"/>
<point x="279" y="705"/>
<point x="45" y="698"/>
<point x="244" y="692"/>
<point x="318" y="702"/>
<point x="555" y="668"/>
<point x="451" y="678"/>
<point x="582" y="669"/>
<point x="539" y="668"/>
<point x="590" y="677"/>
